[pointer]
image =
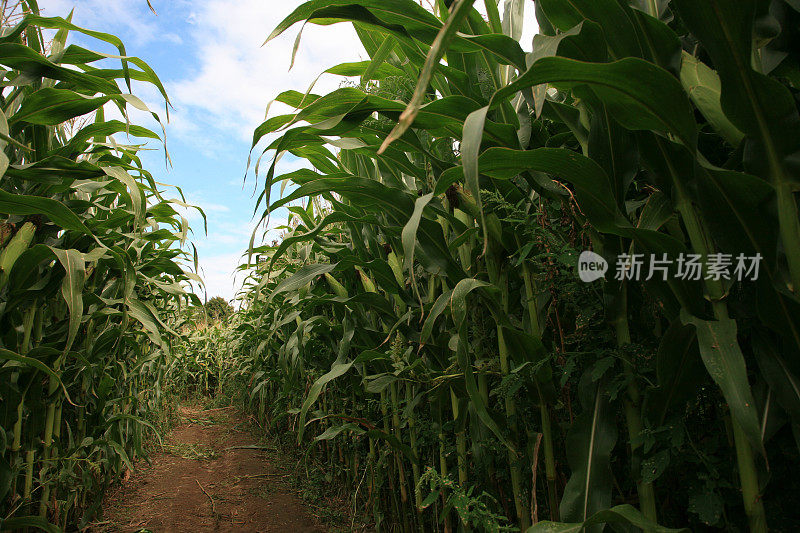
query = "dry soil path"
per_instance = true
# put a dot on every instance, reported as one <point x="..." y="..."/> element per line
<point x="205" y="478"/>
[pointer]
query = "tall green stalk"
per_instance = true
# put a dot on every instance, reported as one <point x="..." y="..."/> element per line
<point x="633" y="407"/>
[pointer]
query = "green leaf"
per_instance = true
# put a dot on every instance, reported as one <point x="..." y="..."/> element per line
<point x="458" y="305"/>
<point x="761" y="107"/>
<point x="617" y="25"/>
<point x="470" y="149"/>
<point x="8" y="355"/>
<point x="679" y="372"/>
<point x="589" y="443"/>
<point x="656" y="102"/>
<point x="723" y="358"/>
<point x="19" y="523"/>
<point x="706" y="504"/>
<point x="338" y="369"/>
<point x="409" y="234"/>
<point x="781" y="376"/>
<point x="136" y="197"/>
<point x="438" y="308"/>
<point x="614" y="149"/>
<point x="5" y="476"/>
<point x="26" y="60"/>
<point x="378" y="60"/>
<point x="458" y="14"/>
<point x="757" y="105"/>
<point x="333" y="218"/>
<point x="591" y="182"/>
<point x="406" y="20"/>
<point x="334" y="431"/>
<point x="704" y="88"/>
<point x="138" y="420"/>
<point x="20" y="204"/>
<point x="140" y="312"/>
<point x="654" y="466"/>
<point x="626" y="515"/>
<point x="301" y="278"/>
<point x="395" y="443"/>
<point x="50" y="106"/>
<point x="72" y="289"/>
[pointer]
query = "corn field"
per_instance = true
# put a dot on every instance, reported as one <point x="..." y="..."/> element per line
<point x="422" y="327"/>
<point x="421" y="330"/>
<point x="90" y="273"/>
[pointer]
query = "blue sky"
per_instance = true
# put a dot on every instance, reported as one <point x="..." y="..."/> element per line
<point x="220" y="79"/>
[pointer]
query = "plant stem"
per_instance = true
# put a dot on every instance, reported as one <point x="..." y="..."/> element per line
<point x="499" y="278"/>
<point x="461" y="442"/>
<point x="535" y="329"/>
<point x="748" y="477"/>
<point x="701" y="242"/>
<point x="26" y="495"/>
<point x="549" y="463"/>
<point x="442" y="457"/>
<point x="789" y="230"/>
<point x="633" y="408"/>
<point x="412" y="432"/>
<point x="401" y="473"/>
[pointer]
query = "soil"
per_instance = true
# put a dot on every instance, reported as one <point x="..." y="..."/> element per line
<point x="209" y="475"/>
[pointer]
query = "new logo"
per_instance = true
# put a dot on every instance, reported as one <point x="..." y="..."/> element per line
<point x="591" y="266"/>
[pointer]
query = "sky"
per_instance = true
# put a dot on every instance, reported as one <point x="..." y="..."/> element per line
<point x="220" y="80"/>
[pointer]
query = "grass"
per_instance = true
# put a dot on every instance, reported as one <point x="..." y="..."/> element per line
<point x="185" y="450"/>
<point x="205" y="421"/>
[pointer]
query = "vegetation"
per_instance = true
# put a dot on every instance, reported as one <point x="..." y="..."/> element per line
<point x="218" y="308"/>
<point x="90" y="274"/>
<point x="423" y="329"/>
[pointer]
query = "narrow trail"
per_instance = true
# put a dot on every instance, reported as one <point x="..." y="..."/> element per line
<point x="205" y="478"/>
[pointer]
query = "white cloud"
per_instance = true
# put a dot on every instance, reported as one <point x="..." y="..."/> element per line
<point x="193" y="215"/>
<point x="219" y="270"/>
<point x="228" y="233"/>
<point x="218" y="273"/>
<point x="290" y="164"/>
<point x="236" y="77"/>
<point x="215" y="208"/>
<point x="128" y="14"/>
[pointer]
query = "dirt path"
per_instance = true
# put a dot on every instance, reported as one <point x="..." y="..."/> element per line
<point x="206" y="479"/>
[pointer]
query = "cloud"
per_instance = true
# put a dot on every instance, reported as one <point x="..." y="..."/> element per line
<point x="219" y="270"/>
<point x="289" y="163"/>
<point x="236" y="77"/>
<point x="193" y="200"/>
<point x="227" y="91"/>
<point x="229" y="232"/>
<point x="131" y="15"/>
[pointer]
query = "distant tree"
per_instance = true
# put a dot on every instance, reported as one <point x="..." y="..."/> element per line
<point x="218" y="308"/>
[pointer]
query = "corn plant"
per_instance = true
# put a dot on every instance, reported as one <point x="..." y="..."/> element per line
<point x="90" y="273"/>
<point x="423" y="311"/>
<point x="202" y="359"/>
